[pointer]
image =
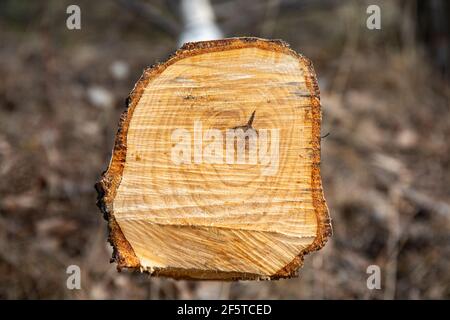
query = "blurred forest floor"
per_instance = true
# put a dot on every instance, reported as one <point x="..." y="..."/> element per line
<point x="385" y="164"/>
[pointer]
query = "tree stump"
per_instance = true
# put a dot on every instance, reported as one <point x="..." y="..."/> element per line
<point x="215" y="172"/>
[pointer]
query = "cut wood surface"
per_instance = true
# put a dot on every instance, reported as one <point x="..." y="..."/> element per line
<point x="178" y="199"/>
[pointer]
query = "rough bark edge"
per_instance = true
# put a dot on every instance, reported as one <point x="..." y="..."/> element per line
<point x="108" y="184"/>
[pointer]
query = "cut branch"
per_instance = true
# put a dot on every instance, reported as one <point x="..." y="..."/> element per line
<point x="177" y="209"/>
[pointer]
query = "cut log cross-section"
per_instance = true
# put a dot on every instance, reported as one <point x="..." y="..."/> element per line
<point x="215" y="173"/>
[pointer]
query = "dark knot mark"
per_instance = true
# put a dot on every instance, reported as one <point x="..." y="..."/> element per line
<point x="248" y="125"/>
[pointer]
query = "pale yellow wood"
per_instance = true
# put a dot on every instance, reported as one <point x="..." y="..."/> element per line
<point x="223" y="218"/>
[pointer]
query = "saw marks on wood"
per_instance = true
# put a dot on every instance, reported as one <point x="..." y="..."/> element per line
<point x="215" y="219"/>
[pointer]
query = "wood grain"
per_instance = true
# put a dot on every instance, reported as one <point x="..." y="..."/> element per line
<point x="217" y="220"/>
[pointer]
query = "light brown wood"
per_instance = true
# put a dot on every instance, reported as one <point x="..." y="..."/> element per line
<point x="219" y="220"/>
